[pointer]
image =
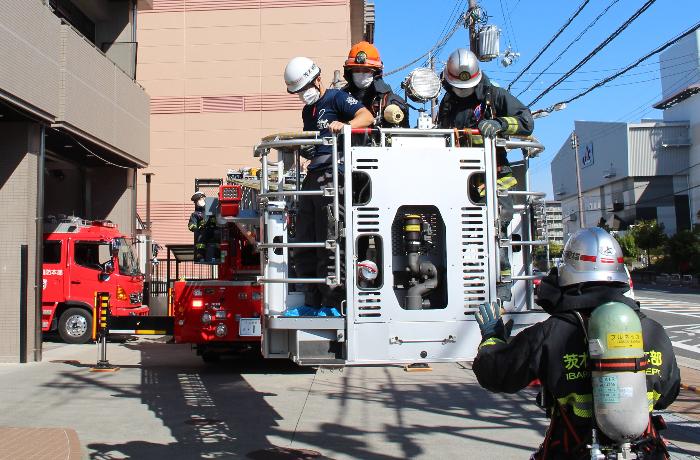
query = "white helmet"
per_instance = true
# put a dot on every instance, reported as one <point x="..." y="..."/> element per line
<point x="300" y="71"/>
<point x="592" y="254"/>
<point x="462" y="69"/>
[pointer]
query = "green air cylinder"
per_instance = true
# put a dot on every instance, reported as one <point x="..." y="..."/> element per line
<point x="617" y="372"/>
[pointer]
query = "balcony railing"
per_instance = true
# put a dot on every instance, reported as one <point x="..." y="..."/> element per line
<point x="124" y="55"/>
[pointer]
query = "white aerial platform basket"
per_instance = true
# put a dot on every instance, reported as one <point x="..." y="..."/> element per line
<point x="405" y="172"/>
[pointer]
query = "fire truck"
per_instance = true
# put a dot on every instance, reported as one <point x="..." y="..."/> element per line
<point x="222" y="314"/>
<point x="82" y="257"/>
<point x="409" y="209"/>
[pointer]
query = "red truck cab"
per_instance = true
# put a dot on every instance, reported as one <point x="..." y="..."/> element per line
<point x="81" y="258"/>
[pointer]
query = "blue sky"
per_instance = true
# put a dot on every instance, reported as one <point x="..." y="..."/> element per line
<point x="405" y="29"/>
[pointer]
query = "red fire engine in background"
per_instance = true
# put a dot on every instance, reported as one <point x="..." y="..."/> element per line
<point x="223" y="314"/>
<point x="82" y="257"/>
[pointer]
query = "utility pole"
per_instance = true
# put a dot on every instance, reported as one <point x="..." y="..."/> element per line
<point x="472" y="27"/>
<point x="431" y="60"/>
<point x="546" y="232"/>
<point x="574" y="146"/>
<point x="149" y="240"/>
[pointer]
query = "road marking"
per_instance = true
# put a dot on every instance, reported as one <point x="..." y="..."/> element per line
<point x="672" y="307"/>
<point x="683" y="346"/>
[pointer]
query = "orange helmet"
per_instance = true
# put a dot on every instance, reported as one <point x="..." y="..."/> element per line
<point x="364" y="54"/>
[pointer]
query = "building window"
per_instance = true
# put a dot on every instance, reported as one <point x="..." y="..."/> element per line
<point x="52" y="252"/>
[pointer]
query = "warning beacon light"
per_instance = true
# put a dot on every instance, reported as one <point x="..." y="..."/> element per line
<point x="230" y="200"/>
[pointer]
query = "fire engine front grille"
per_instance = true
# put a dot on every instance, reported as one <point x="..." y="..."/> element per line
<point x="474" y="257"/>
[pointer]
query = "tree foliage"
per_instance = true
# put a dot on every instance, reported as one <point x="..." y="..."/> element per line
<point x="628" y="244"/>
<point x="649" y="235"/>
<point x="555" y="250"/>
<point x="683" y="249"/>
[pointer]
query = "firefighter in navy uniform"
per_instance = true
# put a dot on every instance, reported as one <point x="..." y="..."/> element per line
<point x="205" y="231"/>
<point x="363" y="72"/>
<point x="326" y="111"/>
<point x="471" y="101"/>
<point x="555" y="351"/>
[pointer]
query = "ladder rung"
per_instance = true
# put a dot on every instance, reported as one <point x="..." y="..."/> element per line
<point x="524" y="243"/>
<point x="524" y="193"/>
<point x="292" y="280"/>
<point x="526" y="277"/>
<point x="294" y="193"/>
<point x="330" y="244"/>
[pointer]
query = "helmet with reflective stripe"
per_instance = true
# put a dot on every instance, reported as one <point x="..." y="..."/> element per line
<point x="197" y="196"/>
<point x="462" y="69"/>
<point x="364" y="55"/>
<point x="300" y="71"/>
<point x="591" y="255"/>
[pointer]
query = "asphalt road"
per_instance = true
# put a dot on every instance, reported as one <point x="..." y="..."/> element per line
<point x="678" y="310"/>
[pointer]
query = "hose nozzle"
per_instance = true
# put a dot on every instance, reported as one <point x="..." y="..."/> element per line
<point x="393" y="114"/>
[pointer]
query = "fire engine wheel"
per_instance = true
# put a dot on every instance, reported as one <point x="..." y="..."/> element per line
<point x="75" y="325"/>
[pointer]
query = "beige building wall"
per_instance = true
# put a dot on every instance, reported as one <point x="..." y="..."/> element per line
<point x="214" y="71"/>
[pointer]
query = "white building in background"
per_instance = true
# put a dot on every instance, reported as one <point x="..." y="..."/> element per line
<point x="549" y="223"/>
<point x="629" y="172"/>
<point x="680" y="85"/>
<point x="640" y="171"/>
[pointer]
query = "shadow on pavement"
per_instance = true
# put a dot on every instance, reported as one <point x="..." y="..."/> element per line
<point x="212" y="411"/>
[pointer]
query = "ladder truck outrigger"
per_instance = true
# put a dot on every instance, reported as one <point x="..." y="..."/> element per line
<point x="413" y="244"/>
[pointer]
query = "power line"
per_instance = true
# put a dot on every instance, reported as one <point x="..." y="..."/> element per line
<point x="509" y="25"/>
<point x="625" y="83"/>
<point x="590" y="55"/>
<point x="436" y="52"/>
<point x="614" y="69"/>
<point x="634" y="64"/>
<point x="575" y="40"/>
<point x="545" y="47"/>
<point x="439" y="44"/>
<point x="646" y="72"/>
<point x="546" y="159"/>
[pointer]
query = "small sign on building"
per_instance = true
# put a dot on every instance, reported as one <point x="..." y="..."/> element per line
<point x="587" y="155"/>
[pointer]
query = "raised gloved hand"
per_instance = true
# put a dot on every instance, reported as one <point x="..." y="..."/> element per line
<point x="490" y="322"/>
<point x="489" y="128"/>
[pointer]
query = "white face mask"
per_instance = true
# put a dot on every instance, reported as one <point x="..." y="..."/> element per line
<point x="201" y="202"/>
<point x="362" y="79"/>
<point x="310" y="95"/>
<point x="463" y="92"/>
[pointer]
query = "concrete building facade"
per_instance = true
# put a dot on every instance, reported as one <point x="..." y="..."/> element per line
<point x="214" y="70"/>
<point x="629" y="172"/>
<point x="680" y="85"/>
<point x="549" y="224"/>
<point x="75" y="129"/>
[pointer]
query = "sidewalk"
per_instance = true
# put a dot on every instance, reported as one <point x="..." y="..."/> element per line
<point x="165" y="403"/>
<point x="688" y="402"/>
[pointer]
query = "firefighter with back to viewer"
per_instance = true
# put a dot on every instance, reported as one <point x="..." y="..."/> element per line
<point x="471" y="101"/>
<point x="363" y="72"/>
<point x="560" y="353"/>
<point x="326" y="111"/>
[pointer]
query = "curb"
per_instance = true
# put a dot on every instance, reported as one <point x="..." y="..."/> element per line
<point x="692" y="388"/>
